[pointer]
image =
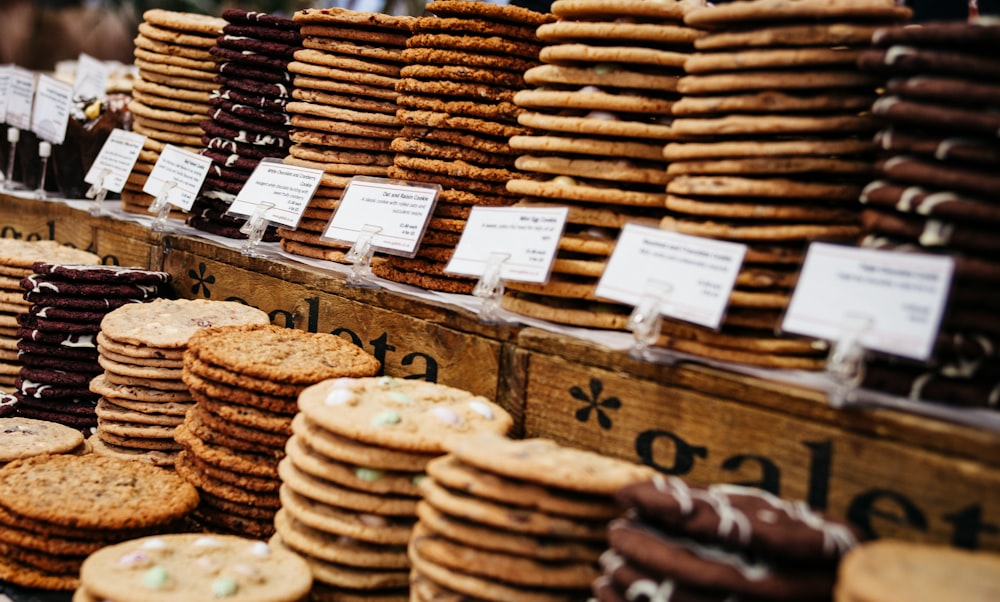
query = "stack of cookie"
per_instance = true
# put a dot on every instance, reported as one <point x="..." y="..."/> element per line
<point x="601" y="110"/>
<point x="779" y="147"/>
<point x="57" y="509"/>
<point x="720" y="543"/>
<point x="503" y="519"/>
<point x="343" y="110"/>
<point x="56" y="345"/>
<point x="464" y="65"/>
<point x="17" y="258"/>
<point x="241" y="568"/>
<point x="887" y="569"/>
<point x="937" y="192"/>
<point x="349" y="493"/>
<point x="246" y="382"/>
<point x="247" y="121"/>
<point x="142" y="397"/>
<point x="171" y="93"/>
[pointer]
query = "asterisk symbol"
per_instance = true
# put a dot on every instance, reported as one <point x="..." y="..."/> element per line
<point x="595" y="403"/>
<point x="201" y="281"/>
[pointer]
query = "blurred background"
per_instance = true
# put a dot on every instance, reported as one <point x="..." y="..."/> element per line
<point x="36" y="34"/>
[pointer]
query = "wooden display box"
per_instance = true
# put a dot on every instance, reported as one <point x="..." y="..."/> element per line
<point x="412" y="338"/>
<point x="116" y="242"/>
<point x="896" y="474"/>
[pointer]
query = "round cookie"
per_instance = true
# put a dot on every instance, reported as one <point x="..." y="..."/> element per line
<point x="39" y="489"/>
<point x="341" y="550"/>
<point x="400" y="414"/>
<point x="366" y="527"/>
<point x="170" y="323"/>
<point x="361" y="478"/>
<point x="245" y="570"/>
<point x="885" y="569"/>
<point x="349" y="451"/>
<point x="502" y="516"/>
<point x="517" y="570"/>
<point x="802" y="10"/>
<point x="489" y="538"/>
<point x="548" y="463"/>
<point x="328" y="492"/>
<point x="24" y="437"/>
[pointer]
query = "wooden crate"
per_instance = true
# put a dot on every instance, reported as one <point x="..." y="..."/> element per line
<point x="30" y="219"/>
<point x="894" y="474"/>
<point x="422" y="343"/>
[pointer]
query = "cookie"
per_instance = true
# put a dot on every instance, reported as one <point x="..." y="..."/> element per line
<point x="246" y="569"/>
<point x="470" y="585"/>
<point x="169" y="324"/>
<point x="366" y="527"/>
<point x="637" y="34"/>
<point x="711" y="566"/>
<point x="875" y="570"/>
<point x="897" y="110"/>
<point x="24" y="437"/>
<point x="516" y="491"/>
<point x="337" y="576"/>
<point x="597" y="123"/>
<point x="342" y="550"/>
<point x="324" y="491"/>
<point x="382" y="411"/>
<point x="435" y="64"/>
<point x="350" y="451"/>
<point x="519" y="520"/>
<point x="941" y="147"/>
<point x="792" y="531"/>
<point x="146" y="496"/>
<point x="771" y="102"/>
<point x="764" y="10"/>
<point x="498" y="566"/>
<point x="899" y="60"/>
<point x="790" y="35"/>
<point x="308" y="460"/>
<point x="774" y="80"/>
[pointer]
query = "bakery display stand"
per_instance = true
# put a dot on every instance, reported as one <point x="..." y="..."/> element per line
<point x="893" y="473"/>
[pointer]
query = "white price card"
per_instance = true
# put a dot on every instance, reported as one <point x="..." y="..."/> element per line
<point x="692" y="276"/>
<point x="20" y="98"/>
<point x="529" y="235"/>
<point x="181" y="173"/>
<point x="91" y="78"/>
<point x="287" y="188"/>
<point x="5" y="72"/>
<point x="50" y="115"/>
<point x="115" y="161"/>
<point x="399" y="209"/>
<point x="898" y="296"/>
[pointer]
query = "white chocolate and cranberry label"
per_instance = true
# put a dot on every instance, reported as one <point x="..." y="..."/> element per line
<point x="283" y="191"/>
<point x="893" y="299"/>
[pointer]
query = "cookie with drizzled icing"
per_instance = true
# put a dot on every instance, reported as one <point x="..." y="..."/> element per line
<point x="748" y="518"/>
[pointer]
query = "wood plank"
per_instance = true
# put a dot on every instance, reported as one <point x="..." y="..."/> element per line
<point x="335" y="283"/>
<point x="127" y="244"/>
<point x="890" y="488"/>
<point x="407" y="346"/>
<point x="805" y="403"/>
<point x="31" y="219"/>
